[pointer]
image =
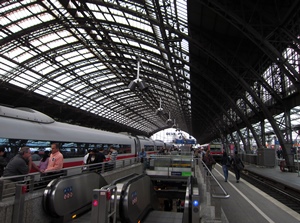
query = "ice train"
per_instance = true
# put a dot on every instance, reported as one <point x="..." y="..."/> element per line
<point x="28" y="127"/>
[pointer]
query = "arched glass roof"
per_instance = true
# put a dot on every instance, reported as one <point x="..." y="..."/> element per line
<point x="84" y="54"/>
<point x="221" y="70"/>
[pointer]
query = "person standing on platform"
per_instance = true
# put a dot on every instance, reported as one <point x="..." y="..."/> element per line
<point x="112" y="158"/>
<point x="56" y="159"/>
<point x="3" y="161"/>
<point x="143" y="158"/>
<point x="44" y="161"/>
<point x="237" y="165"/>
<point x="92" y="157"/>
<point x="20" y="164"/>
<point x="101" y="156"/>
<point x="86" y="156"/>
<point x="142" y="155"/>
<point x="225" y="162"/>
<point x="35" y="156"/>
<point x="202" y="153"/>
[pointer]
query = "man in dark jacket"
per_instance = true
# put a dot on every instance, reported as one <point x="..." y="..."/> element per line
<point x="236" y="163"/>
<point x="20" y="164"/>
<point x="3" y="162"/>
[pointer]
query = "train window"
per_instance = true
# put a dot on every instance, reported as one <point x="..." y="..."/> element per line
<point x="121" y="149"/>
<point x="13" y="145"/>
<point x="124" y="149"/>
<point x="159" y="148"/>
<point x="215" y="149"/>
<point x="149" y="147"/>
<point x="68" y="149"/>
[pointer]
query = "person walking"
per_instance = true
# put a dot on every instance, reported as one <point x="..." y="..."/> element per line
<point x="225" y="162"/>
<point x="237" y="165"/>
<point x="209" y="161"/>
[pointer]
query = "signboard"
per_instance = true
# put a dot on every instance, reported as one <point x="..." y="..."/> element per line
<point x="182" y="174"/>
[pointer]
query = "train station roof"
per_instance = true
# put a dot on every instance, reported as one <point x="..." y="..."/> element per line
<point x="140" y="66"/>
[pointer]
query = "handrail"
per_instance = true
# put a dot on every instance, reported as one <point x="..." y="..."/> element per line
<point x="226" y="195"/>
<point x="39" y="180"/>
<point x="113" y="211"/>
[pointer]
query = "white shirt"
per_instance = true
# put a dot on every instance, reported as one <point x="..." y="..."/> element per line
<point x="85" y="158"/>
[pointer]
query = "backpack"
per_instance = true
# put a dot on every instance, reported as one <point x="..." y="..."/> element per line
<point x="238" y="163"/>
<point x="228" y="163"/>
<point x="209" y="160"/>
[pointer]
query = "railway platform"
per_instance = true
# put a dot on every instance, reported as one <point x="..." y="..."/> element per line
<point x="290" y="179"/>
<point x="247" y="203"/>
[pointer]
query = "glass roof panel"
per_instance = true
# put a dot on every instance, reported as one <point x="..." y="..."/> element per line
<point x="41" y="92"/>
<point x="63" y="79"/>
<point x="18" y="82"/>
<point x="91" y="56"/>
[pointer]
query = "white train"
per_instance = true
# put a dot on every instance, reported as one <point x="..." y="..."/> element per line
<point x="28" y="127"/>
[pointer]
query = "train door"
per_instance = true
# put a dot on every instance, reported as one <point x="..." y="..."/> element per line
<point x="137" y="145"/>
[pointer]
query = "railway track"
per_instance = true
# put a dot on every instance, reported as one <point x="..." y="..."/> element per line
<point x="283" y="193"/>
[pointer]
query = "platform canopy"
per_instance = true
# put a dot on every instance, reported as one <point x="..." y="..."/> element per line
<point x="208" y="67"/>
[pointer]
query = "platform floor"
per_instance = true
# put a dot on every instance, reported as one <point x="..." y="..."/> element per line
<point x="249" y="204"/>
<point x="288" y="178"/>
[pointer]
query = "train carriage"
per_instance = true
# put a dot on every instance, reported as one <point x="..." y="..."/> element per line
<point x="27" y="127"/>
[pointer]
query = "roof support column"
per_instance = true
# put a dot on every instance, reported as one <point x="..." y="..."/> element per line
<point x="287" y="149"/>
<point x="263" y="133"/>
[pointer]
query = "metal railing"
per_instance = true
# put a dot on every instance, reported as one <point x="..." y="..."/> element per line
<point x="169" y="163"/>
<point x="104" y="204"/>
<point x="36" y="181"/>
<point x="224" y="194"/>
<point x="215" y="189"/>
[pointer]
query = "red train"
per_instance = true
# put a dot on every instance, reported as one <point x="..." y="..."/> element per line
<point x="216" y="150"/>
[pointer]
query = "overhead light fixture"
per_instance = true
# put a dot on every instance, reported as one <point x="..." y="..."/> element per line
<point x="142" y="85"/>
<point x="132" y="85"/>
<point x="138" y="82"/>
<point x="159" y="111"/>
<point x="174" y="125"/>
<point x="169" y="121"/>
